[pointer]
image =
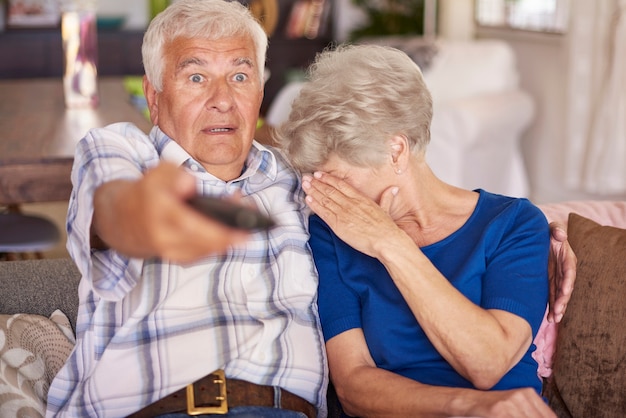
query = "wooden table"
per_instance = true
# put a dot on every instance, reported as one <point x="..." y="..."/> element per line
<point x="38" y="135"/>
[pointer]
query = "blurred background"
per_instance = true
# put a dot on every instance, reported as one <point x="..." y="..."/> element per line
<point x="565" y="56"/>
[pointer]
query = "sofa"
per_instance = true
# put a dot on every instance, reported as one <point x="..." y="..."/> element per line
<point x="582" y="361"/>
<point x="480" y="112"/>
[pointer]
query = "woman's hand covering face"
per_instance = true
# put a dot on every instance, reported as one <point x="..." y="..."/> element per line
<point x="354" y="217"/>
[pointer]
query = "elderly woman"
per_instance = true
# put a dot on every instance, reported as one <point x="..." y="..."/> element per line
<point x="427" y="291"/>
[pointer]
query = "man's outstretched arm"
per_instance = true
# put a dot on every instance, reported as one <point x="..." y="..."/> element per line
<point x="149" y="217"/>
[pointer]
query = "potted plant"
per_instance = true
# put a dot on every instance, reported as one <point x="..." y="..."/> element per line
<point x="390" y="17"/>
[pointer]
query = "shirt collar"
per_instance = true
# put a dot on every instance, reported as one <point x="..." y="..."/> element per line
<point x="260" y="158"/>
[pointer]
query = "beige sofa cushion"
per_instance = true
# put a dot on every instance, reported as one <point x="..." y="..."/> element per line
<point x="32" y="350"/>
<point x="589" y="373"/>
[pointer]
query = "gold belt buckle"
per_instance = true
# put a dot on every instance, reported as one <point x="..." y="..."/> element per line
<point x="192" y="409"/>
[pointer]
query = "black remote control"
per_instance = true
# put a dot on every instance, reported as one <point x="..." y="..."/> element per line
<point x="231" y="214"/>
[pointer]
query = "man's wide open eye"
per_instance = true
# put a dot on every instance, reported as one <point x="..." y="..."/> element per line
<point x="240" y="77"/>
<point x="196" y="78"/>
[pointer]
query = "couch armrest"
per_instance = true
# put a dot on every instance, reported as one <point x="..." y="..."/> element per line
<point x="39" y="287"/>
<point x="604" y="212"/>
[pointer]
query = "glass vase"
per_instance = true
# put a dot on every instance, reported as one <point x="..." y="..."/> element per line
<point x="80" y="47"/>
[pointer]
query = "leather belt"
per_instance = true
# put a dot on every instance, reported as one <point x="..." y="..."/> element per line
<point x="215" y="394"/>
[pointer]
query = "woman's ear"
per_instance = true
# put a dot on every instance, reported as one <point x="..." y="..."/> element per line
<point x="399" y="152"/>
<point x="152" y="97"/>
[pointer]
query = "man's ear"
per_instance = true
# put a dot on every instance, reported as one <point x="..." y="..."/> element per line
<point x="152" y="97"/>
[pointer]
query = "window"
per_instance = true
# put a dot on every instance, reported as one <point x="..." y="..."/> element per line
<point x="532" y="15"/>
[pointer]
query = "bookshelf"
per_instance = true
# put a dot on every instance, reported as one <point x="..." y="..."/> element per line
<point x="304" y="28"/>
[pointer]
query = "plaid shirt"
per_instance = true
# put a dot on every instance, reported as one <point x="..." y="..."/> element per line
<point x="146" y="328"/>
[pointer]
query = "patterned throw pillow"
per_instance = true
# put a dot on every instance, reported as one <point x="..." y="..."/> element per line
<point x="32" y="350"/>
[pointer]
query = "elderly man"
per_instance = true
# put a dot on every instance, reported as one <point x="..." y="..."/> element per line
<point x="169" y="296"/>
<point x="178" y="313"/>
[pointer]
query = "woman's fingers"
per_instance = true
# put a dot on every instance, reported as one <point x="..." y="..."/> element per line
<point x="354" y="217"/>
<point x="332" y="193"/>
<point x="323" y="198"/>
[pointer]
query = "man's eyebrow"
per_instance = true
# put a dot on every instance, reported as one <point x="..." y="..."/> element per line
<point x="189" y="61"/>
<point x="243" y="61"/>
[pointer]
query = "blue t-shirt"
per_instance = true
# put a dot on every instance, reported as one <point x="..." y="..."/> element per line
<point x="498" y="259"/>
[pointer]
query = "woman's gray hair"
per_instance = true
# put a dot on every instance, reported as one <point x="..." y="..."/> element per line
<point x="208" y="19"/>
<point x="357" y="97"/>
